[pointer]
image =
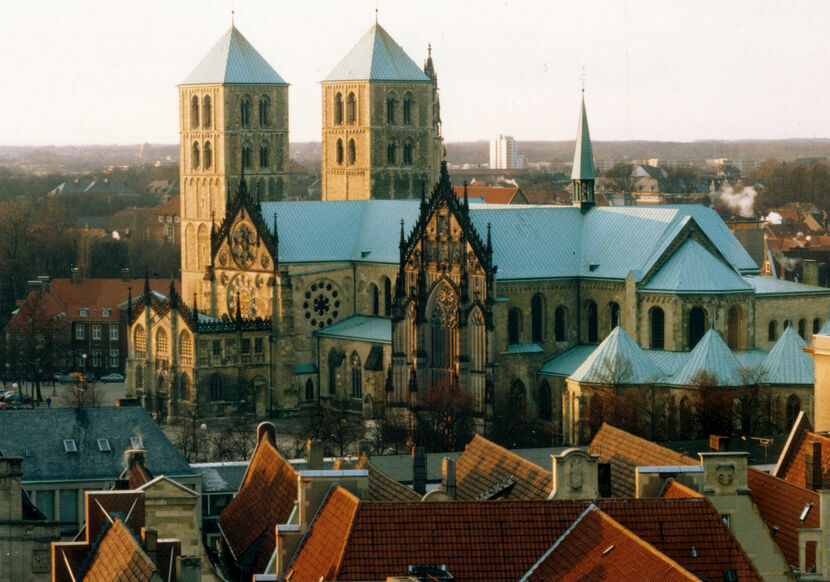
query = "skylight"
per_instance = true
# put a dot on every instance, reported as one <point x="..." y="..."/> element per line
<point x="136" y="442"/>
<point x="70" y="446"/>
<point x="104" y="446"/>
<point x="805" y="511"/>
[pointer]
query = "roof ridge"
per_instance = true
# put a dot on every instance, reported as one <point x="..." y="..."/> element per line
<point x="511" y="454"/>
<point x="549" y="551"/>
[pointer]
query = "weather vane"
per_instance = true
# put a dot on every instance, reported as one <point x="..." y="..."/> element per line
<point x="232" y="13"/>
<point x="582" y="79"/>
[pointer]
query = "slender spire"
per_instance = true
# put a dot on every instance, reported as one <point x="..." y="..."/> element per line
<point x="147" y="296"/>
<point x="489" y="239"/>
<point x="466" y="199"/>
<point x="429" y="66"/>
<point x="232" y="18"/>
<point x="402" y="243"/>
<point x="583" y="168"/>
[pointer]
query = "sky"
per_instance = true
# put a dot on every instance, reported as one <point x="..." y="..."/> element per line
<point x="105" y="72"/>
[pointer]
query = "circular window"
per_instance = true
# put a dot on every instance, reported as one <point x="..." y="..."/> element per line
<point x="321" y="304"/>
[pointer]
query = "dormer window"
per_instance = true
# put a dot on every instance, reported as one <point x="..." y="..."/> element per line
<point x="104" y="446"/>
<point x="105" y="312"/>
<point x="84" y="312"/>
<point x="136" y="443"/>
<point x="69" y="446"/>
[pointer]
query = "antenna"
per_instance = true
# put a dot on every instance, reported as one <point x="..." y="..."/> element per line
<point x="232" y="14"/>
<point x="582" y="79"/>
<point x="376" y="13"/>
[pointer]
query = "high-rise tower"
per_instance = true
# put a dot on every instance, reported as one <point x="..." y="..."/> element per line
<point x="233" y="119"/>
<point x="381" y="123"/>
<point x="582" y="174"/>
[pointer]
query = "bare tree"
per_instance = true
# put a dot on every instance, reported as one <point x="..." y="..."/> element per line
<point x="619" y="178"/>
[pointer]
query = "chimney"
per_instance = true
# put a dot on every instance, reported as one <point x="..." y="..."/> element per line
<point x="419" y="470"/>
<point x="314" y="455"/>
<point x="149" y="541"/>
<point x="724" y="473"/>
<point x="44" y="281"/>
<point x="266" y="428"/>
<point x="812" y="466"/>
<point x="809" y="272"/>
<point x="718" y="443"/>
<point x="75" y="275"/>
<point x="448" y="476"/>
<point x="343" y="465"/>
<point x="188" y="569"/>
<point x="122" y="484"/>
<point x="125" y="274"/>
<point x="34" y="285"/>
<point x="136" y="457"/>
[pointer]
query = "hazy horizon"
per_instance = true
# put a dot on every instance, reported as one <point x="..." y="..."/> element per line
<point x="105" y="73"/>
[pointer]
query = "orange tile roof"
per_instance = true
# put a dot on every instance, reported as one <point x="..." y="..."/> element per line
<point x="265" y="499"/>
<point x="170" y="208"/>
<point x="120" y="557"/>
<point x="490" y="194"/>
<point x="794" y="468"/>
<point x="781" y="504"/>
<point x="676" y="490"/>
<point x="137" y="475"/>
<point x="498" y="540"/>
<point x="484" y="464"/>
<point x="383" y="487"/>
<point x="625" y="452"/>
<point x="43" y="308"/>
<point x="598" y="548"/>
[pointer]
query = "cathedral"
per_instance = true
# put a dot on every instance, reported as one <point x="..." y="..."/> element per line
<point x="392" y="285"/>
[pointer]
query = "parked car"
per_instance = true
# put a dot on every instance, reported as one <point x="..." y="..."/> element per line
<point x="66" y="378"/>
<point x="16" y="398"/>
<point x="8" y="394"/>
<point x="4" y="406"/>
<point x="114" y="377"/>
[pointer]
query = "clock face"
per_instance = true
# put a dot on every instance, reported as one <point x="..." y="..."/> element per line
<point x="243" y="240"/>
<point x="242" y="287"/>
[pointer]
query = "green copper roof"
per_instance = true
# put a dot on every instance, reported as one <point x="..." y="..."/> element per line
<point x="583" y="168"/>
<point x="360" y="328"/>
<point x="770" y="286"/>
<point x="787" y="363"/>
<point x="712" y="357"/>
<point x="377" y="57"/>
<point x="617" y="360"/>
<point x="693" y="269"/>
<point x="233" y="61"/>
<point x="825" y="329"/>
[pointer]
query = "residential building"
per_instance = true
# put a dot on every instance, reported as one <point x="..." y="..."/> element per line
<point x="491" y="195"/>
<point x="103" y="188"/>
<point x="166" y="220"/>
<point x="503" y="154"/>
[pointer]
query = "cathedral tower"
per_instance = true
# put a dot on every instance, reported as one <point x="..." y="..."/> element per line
<point x="233" y="119"/>
<point x="381" y="123"/>
<point x="583" y="175"/>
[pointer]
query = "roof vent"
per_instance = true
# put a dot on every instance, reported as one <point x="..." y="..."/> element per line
<point x="104" y="446"/>
<point x="774" y="530"/>
<point x="70" y="446"/>
<point x="364" y="254"/>
<point x="608" y="550"/>
<point x="730" y="576"/>
<point x="694" y="552"/>
<point x="593" y="267"/>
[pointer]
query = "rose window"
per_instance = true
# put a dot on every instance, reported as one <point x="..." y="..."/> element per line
<point x="321" y="304"/>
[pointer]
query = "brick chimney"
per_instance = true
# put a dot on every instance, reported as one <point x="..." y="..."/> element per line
<point x="75" y="275"/>
<point x="809" y="272"/>
<point x="150" y="543"/>
<point x="125" y="274"/>
<point x="812" y="466"/>
<point x="419" y="470"/>
<point x="718" y="443"/>
<point x="314" y="455"/>
<point x="448" y="483"/>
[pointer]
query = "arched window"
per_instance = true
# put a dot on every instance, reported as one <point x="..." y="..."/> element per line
<point x="139" y="376"/>
<point x="537" y="318"/>
<point x="592" y="321"/>
<point x="206" y="112"/>
<point x="338" y="109"/>
<point x="216" y="387"/>
<point x="351" y="109"/>
<point x="387" y="297"/>
<point x="186" y="348"/>
<point x="334" y="361"/>
<point x="697" y="325"/>
<point x="208" y="155"/>
<point x="194" y="156"/>
<point x="391" y="153"/>
<point x="613" y="315"/>
<point x="408" y="153"/>
<point x="264" y="158"/>
<point x="560" y="320"/>
<point x="816" y="325"/>
<point x="517" y="397"/>
<point x="407" y="109"/>
<point x="390" y="111"/>
<point x="194" y="112"/>
<point x="246" y="157"/>
<point x="658" y="329"/>
<point x="733" y="328"/>
<point x="264" y="112"/>
<point x="139" y="341"/>
<point x="245" y="107"/>
<point x="543" y="401"/>
<point x="357" y="381"/>
<point x="772" y="333"/>
<point x="162" y="345"/>
<point x="793" y="408"/>
<point x="309" y="389"/>
<point x="339" y="152"/>
<point x="802" y="328"/>
<point x="374" y="297"/>
<point x="514" y="326"/>
<point x="352" y="151"/>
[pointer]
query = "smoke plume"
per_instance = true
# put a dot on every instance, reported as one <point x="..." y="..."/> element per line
<point x="774" y="218"/>
<point x="742" y="202"/>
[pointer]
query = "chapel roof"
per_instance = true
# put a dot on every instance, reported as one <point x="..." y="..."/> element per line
<point x="713" y="358"/>
<point x="786" y="362"/>
<point x="617" y="360"/>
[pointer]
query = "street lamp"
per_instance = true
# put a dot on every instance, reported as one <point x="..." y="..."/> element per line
<point x="14" y="387"/>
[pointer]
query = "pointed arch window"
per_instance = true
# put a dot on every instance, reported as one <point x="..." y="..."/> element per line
<point x="408" y="153"/>
<point x="139" y="341"/>
<point x="613" y="314"/>
<point x="793" y="408"/>
<point x="407" y="110"/>
<point x="391" y="154"/>
<point x="335" y="358"/>
<point x="351" y="109"/>
<point x="697" y="325"/>
<point x="390" y="111"/>
<point x="514" y="326"/>
<point x="208" y="155"/>
<point x="264" y="112"/>
<point x="357" y="379"/>
<point x="544" y="401"/>
<point x="207" y="112"/>
<point x="338" y="109"/>
<point x="194" y="155"/>
<point x="309" y="389"/>
<point x="592" y="321"/>
<point x="374" y="297"/>
<point x="186" y="348"/>
<point x="560" y="320"/>
<point x="352" y="152"/>
<point x="387" y="297"/>
<point x="537" y="318"/>
<point x="658" y="327"/>
<point x="802" y="329"/>
<point x="772" y="331"/>
<point x="194" y="112"/>
<point x="245" y="108"/>
<point x="264" y="157"/>
<point x="162" y="344"/>
<point x="246" y="157"/>
<point x="339" y="152"/>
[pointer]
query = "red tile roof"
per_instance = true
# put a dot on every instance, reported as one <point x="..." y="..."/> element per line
<point x="781" y="504"/>
<point x="265" y="499"/>
<point x="120" y="557"/>
<point x="137" y="475"/>
<point x="598" y="548"/>
<point x="794" y="466"/>
<point x="484" y="464"/>
<point x="676" y="490"/>
<point x="626" y="452"/>
<point x="383" y="487"/>
<point x="491" y="195"/>
<point x="498" y="540"/>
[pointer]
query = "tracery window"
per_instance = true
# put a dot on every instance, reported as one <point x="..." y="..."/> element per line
<point x="264" y="158"/>
<point x="338" y="109"/>
<point x="357" y="381"/>
<point x="339" y="152"/>
<point x="245" y="107"/>
<point x="351" y="109"/>
<point x="194" y="156"/>
<point x="658" y="329"/>
<point x="194" y="112"/>
<point x="264" y="112"/>
<point x="206" y="112"/>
